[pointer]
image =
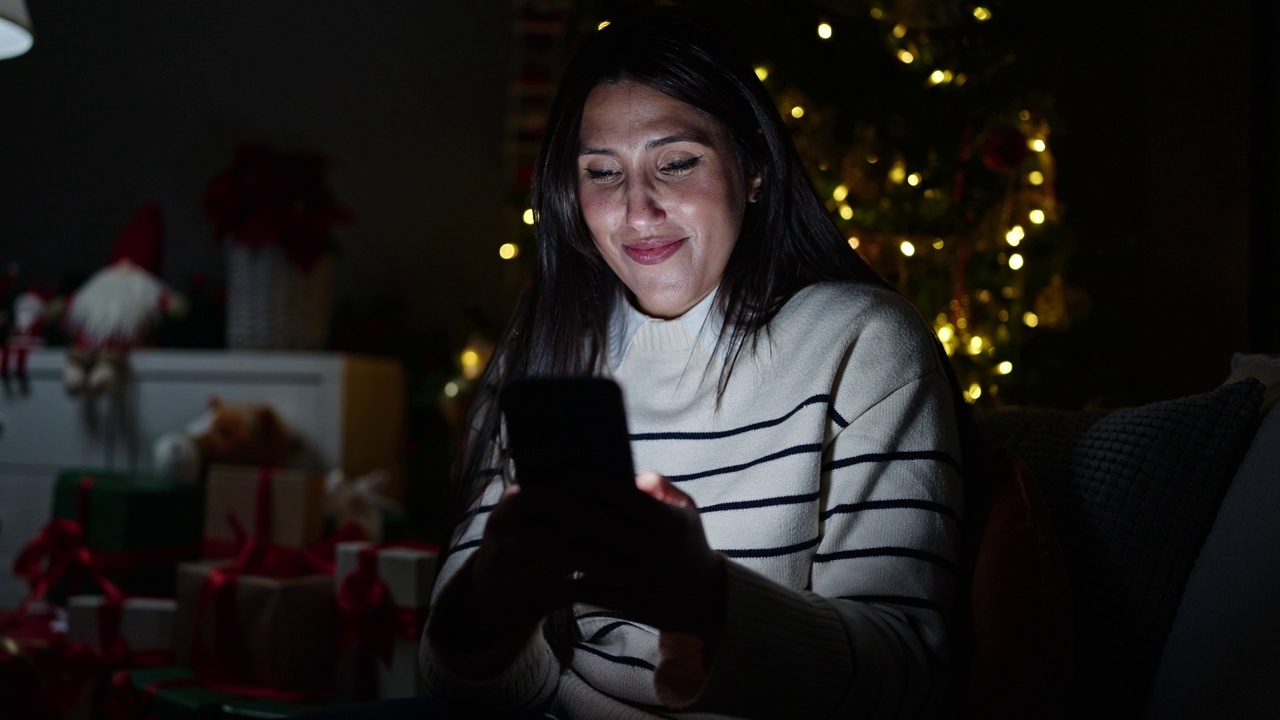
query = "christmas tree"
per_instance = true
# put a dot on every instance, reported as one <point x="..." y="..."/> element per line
<point x="931" y="144"/>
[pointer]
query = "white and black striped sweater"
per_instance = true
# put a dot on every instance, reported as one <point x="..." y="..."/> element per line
<point x="829" y="475"/>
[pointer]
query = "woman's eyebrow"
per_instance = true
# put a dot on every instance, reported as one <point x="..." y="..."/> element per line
<point x="654" y="143"/>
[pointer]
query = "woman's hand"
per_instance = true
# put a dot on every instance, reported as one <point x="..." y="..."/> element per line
<point x="643" y="554"/>
<point x="646" y="555"/>
<point x="498" y="598"/>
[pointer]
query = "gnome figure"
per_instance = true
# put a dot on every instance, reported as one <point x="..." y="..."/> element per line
<point x="119" y="306"/>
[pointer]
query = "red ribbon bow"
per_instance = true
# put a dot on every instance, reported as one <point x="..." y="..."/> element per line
<point x="256" y="555"/>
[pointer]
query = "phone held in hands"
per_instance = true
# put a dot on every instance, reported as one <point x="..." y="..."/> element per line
<point x="568" y="434"/>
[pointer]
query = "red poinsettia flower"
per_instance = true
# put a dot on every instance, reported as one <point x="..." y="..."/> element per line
<point x="268" y="198"/>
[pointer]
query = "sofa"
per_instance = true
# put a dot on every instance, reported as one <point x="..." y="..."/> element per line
<point x="1146" y="543"/>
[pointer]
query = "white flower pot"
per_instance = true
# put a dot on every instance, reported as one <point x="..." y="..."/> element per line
<point x="273" y="305"/>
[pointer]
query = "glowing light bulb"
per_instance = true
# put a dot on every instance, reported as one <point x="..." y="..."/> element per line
<point x="898" y="174"/>
<point x="797" y="112"/>
<point x="984" y="296"/>
<point x="1035" y="177"/>
<point x="938" y="244"/>
<point x="975" y="345"/>
<point x="1036" y="216"/>
<point x="762" y="72"/>
<point x="508" y="251"/>
<point x="603" y="24"/>
<point x="1030" y="319"/>
<point x="907" y="248"/>
<point x="906" y="57"/>
<point x="840" y="193"/>
<point x="982" y="14"/>
<point x="846" y="212"/>
<point x="975" y="392"/>
<point x="451" y="389"/>
<point x="913" y="179"/>
<point x="1003" y="315"/>
<point x="1036" y="144"/>
<point x="1004" y="368"/>
<point x="899" y="31"/>
<point x="1015" y="235"/>
<point x="877" y="13"/>
<point x="469" y="358"/>
<point x="945" y="333"/>
<point x="824" y="31"/>
<point x="937" y="77"/>
<point x="1015" y="261"/>
<point x="528" y="216"/>
<point x="962" y="323"/>
<point x="854" y="242"/>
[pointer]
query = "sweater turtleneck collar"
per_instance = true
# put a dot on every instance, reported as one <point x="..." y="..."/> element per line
<point x="701" y="324"/>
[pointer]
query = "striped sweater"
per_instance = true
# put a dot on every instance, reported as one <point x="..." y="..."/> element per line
<point x="829" y="475"/>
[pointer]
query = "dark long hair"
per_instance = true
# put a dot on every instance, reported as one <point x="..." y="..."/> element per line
<point x="787" y="241"/>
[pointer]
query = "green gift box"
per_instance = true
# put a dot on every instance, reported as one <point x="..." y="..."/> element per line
<point x="262" y="708"/>
<point x="171" y="693"/>
<point x="137" y="526"/>
<point x="179" y="695"/>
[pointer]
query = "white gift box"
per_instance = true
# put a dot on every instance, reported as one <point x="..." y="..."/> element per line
<point x="409" y="574"/>
<point x="146" y="624"/>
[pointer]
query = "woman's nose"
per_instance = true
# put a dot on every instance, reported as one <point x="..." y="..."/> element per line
<point x="644" y="206"/>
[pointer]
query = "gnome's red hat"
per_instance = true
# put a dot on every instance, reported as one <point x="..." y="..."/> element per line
<point x="142" y="242"/>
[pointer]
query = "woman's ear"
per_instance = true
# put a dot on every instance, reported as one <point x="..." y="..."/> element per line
<point x="753" y="193"/>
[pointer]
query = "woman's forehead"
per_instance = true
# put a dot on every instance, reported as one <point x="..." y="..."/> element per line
<point x="631" y="113"/>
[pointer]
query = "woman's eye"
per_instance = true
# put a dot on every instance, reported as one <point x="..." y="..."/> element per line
<point x="608" y="174"/>
<point x="679" y="167"/>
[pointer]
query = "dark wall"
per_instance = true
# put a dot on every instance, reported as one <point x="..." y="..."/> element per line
<point x="1155" y="154"/>
<point x="122" y="102"/>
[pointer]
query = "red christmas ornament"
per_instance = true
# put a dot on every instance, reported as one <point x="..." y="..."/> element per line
<point x="1004" y="149"/>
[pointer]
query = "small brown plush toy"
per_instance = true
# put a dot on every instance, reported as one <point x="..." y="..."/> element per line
<point x="227" y="433"/>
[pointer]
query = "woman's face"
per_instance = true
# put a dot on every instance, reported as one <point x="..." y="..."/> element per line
<point x="661" y="193"/>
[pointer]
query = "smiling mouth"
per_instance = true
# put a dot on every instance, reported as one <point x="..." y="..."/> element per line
<point x="653" y="252"/>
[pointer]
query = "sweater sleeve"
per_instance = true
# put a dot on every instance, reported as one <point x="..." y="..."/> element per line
<point x="529" y="683"/>
<point x="867" y="638"/>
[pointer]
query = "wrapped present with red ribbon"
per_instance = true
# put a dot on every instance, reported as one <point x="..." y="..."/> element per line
<point x="294" y="506"/>
<point x="42" y="675"/>
<point x="163" y="693"/>
<point x="177" y="693"/>
<point x="131" y="529"/>
<point x="262" y="624"/>
<point x="384" y="592"/>
<point x="133" y="632"/>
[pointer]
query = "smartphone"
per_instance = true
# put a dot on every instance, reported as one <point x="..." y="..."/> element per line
<point x="568" y="434"/>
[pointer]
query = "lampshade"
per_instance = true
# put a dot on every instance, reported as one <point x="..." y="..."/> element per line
<point x="15" y="28"/>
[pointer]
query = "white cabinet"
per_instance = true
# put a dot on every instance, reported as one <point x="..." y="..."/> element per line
<point x="348" y="409"/>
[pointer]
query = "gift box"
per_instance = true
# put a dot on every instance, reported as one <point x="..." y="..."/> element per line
<point x="165" y="693"/>
<point x="143" y="625"/>
<point x="383" y="593"/>
<point x="42" y="675"/>
<point x="293" y="517"/>
<point x="255" y="630"/>
<point x="137" y="527"/>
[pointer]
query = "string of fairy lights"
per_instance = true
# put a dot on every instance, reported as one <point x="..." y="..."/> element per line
<point x="970" y="277"/>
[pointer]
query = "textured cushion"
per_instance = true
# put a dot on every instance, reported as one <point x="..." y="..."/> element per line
<point x="1132" y="493"/>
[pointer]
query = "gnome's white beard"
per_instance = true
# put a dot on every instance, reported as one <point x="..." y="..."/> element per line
<point x="119" y="305"/>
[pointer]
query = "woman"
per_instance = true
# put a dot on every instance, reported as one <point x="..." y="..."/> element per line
<point x="796" y="557"/>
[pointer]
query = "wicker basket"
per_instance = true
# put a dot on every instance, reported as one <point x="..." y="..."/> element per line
<point x="273" y="305"/>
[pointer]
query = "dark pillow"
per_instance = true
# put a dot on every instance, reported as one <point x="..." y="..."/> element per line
<point x="1132" y="493"/>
